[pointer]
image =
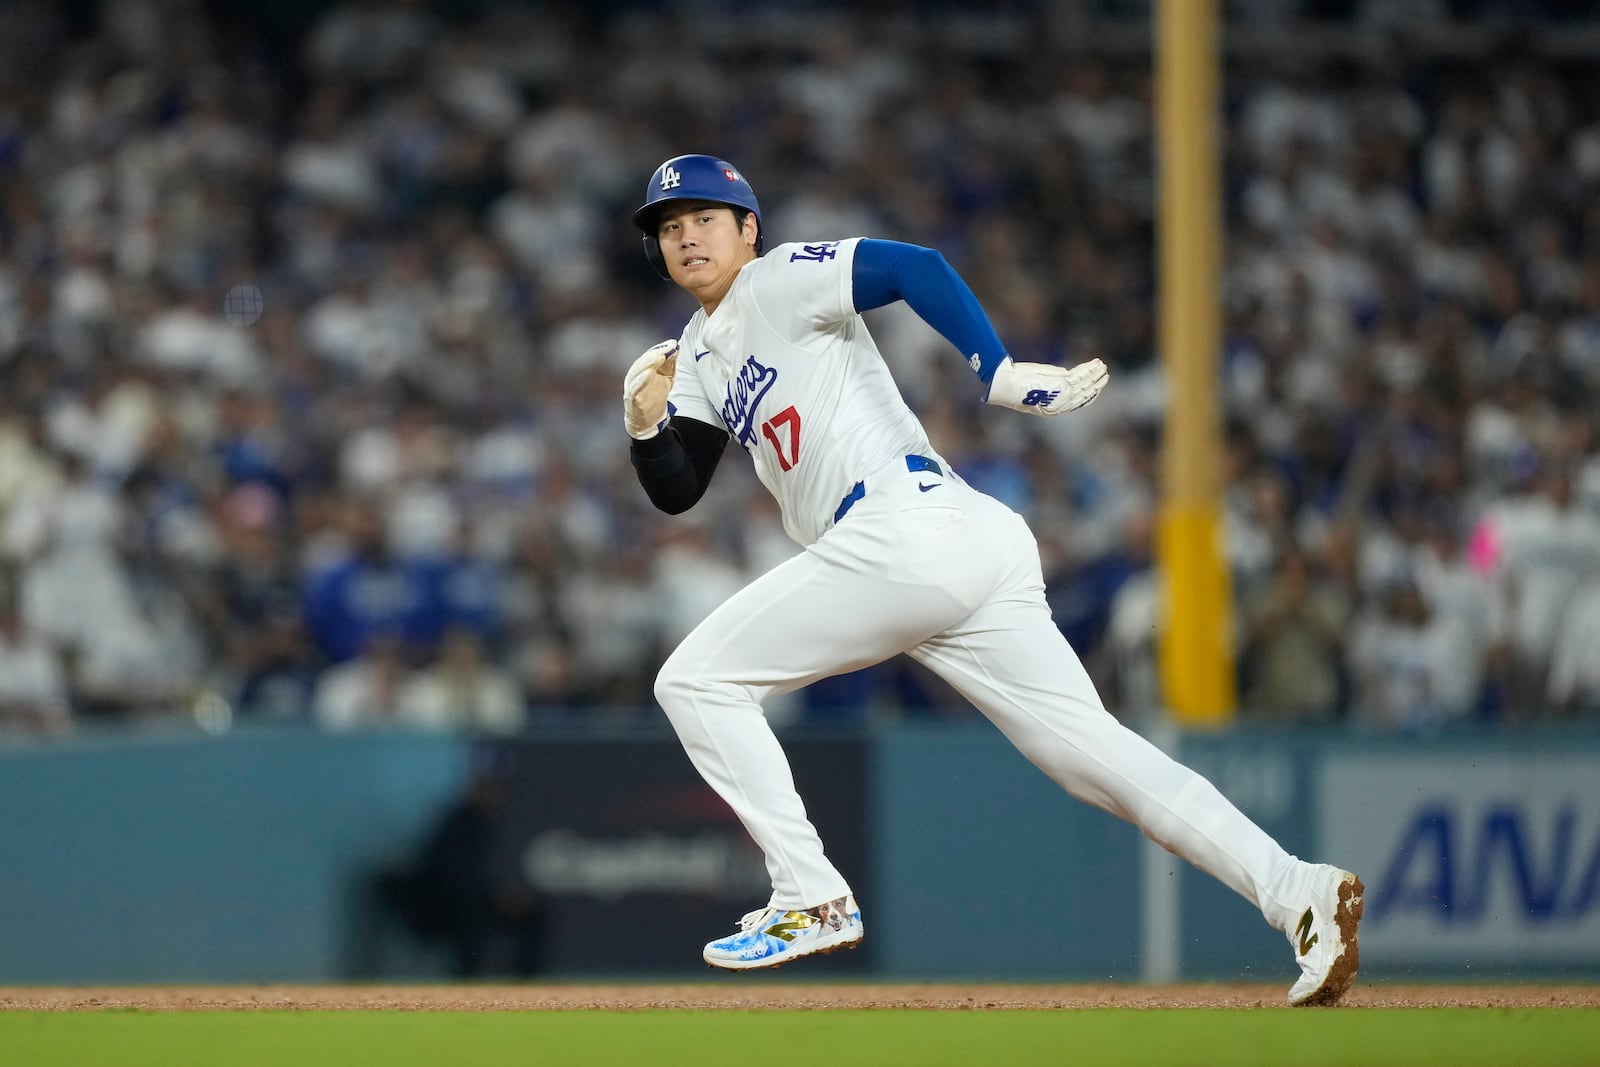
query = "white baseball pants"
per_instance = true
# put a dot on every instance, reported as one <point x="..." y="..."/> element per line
<point x="951" y="577"/>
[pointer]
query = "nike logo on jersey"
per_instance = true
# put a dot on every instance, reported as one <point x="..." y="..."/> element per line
<point x="744" y="394"/>
<point x="698" y="356"/>
<point x="925" y="488"/>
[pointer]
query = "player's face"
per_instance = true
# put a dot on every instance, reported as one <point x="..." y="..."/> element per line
<point x="705" y="247"/>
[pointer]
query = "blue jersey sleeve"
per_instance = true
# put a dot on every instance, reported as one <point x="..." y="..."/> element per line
<point x="886" y="271"/>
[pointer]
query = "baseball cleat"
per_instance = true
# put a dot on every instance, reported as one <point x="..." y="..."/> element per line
<point x="1324" y="940"/>
<point x="769" y="937"/>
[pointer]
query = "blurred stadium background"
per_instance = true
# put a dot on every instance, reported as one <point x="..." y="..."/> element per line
<point x="329" y="606"/>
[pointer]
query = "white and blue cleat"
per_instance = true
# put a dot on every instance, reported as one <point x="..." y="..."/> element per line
<point x="769" y="937"/>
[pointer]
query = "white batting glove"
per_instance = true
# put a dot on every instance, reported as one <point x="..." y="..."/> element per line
<point x="1045" y="389"/>
<point x="645" y="389"/>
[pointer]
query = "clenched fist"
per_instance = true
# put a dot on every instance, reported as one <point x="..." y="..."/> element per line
<point x="645" y="389"/>
<point x="1045" y="389"/>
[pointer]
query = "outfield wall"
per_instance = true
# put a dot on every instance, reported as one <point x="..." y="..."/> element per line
<point x="251" y="857"/>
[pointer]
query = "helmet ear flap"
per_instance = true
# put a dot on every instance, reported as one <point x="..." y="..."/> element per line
<point x="652" y="252"/>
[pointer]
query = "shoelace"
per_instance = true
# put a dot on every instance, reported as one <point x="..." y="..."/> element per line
<point x="755" y="918"/>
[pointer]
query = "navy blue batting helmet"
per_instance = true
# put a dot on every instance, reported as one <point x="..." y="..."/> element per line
<point x="692" y="178"/>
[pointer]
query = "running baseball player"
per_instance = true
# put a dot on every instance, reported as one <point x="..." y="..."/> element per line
<point x="901" y="555"/>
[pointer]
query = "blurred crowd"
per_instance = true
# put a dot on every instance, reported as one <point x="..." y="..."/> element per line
<point x="311" y="345"/>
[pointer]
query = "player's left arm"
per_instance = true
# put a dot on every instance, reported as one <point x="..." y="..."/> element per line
<point x="885" y="271"/>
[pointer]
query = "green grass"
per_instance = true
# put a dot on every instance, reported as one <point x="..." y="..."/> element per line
<point x="1393" y="1037"/>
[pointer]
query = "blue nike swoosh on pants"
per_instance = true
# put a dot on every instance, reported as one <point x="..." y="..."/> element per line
<point x="859" y="490"/>
<point x="925" y="488"/>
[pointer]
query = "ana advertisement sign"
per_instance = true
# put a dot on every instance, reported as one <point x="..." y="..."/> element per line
<point x="1470" y="858"/>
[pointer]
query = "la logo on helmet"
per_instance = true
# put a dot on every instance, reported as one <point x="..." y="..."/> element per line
<point x="671" y="179"/>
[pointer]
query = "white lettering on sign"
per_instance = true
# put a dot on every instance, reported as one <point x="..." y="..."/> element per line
<point x="718" y="864"/>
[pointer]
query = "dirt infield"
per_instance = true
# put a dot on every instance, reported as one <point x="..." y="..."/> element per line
<point x="746" y="997"/>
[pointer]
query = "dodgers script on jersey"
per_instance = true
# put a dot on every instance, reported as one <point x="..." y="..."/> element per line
<point x="788" y="366"/>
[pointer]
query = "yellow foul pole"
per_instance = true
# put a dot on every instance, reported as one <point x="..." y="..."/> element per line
<point x="1196" y="636"/>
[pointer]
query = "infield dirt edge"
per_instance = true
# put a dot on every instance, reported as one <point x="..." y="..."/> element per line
<point x="754" y="996"/>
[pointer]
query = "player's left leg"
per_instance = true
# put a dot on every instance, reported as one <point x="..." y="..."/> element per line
<point x="1011" y="661"/>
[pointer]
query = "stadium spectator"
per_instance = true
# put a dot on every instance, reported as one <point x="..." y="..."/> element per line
<point x="363" y="692"/>
<point x="1540" y="547"/>
<point x="462" y="691"/>
<point x="1573" y="687"/>
<point x="365" y="590"/>
<point x="33" y="686"/>
<point x="1291" y="654"/>
<point x="277" y="670"/>
<point x="1408" y="664"/>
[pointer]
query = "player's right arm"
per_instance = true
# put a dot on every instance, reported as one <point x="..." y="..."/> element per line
<point x="675" y="465"/>
<point x="673" y="454"/>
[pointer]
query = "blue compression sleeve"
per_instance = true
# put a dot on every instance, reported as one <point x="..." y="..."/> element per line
<point x="886" y="271"/>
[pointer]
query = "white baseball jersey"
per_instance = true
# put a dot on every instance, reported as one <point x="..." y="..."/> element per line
<point x="788" y="367"/>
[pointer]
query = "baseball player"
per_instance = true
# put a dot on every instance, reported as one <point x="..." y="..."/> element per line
<point x="901" y="555"/>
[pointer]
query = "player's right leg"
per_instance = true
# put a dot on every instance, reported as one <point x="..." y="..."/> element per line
<point x="872" y="587"/>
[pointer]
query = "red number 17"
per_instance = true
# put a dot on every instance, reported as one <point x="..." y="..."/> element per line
<point x="791" y="417"/>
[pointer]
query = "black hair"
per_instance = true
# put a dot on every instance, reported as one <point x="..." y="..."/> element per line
<point x="739" y="213"/>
